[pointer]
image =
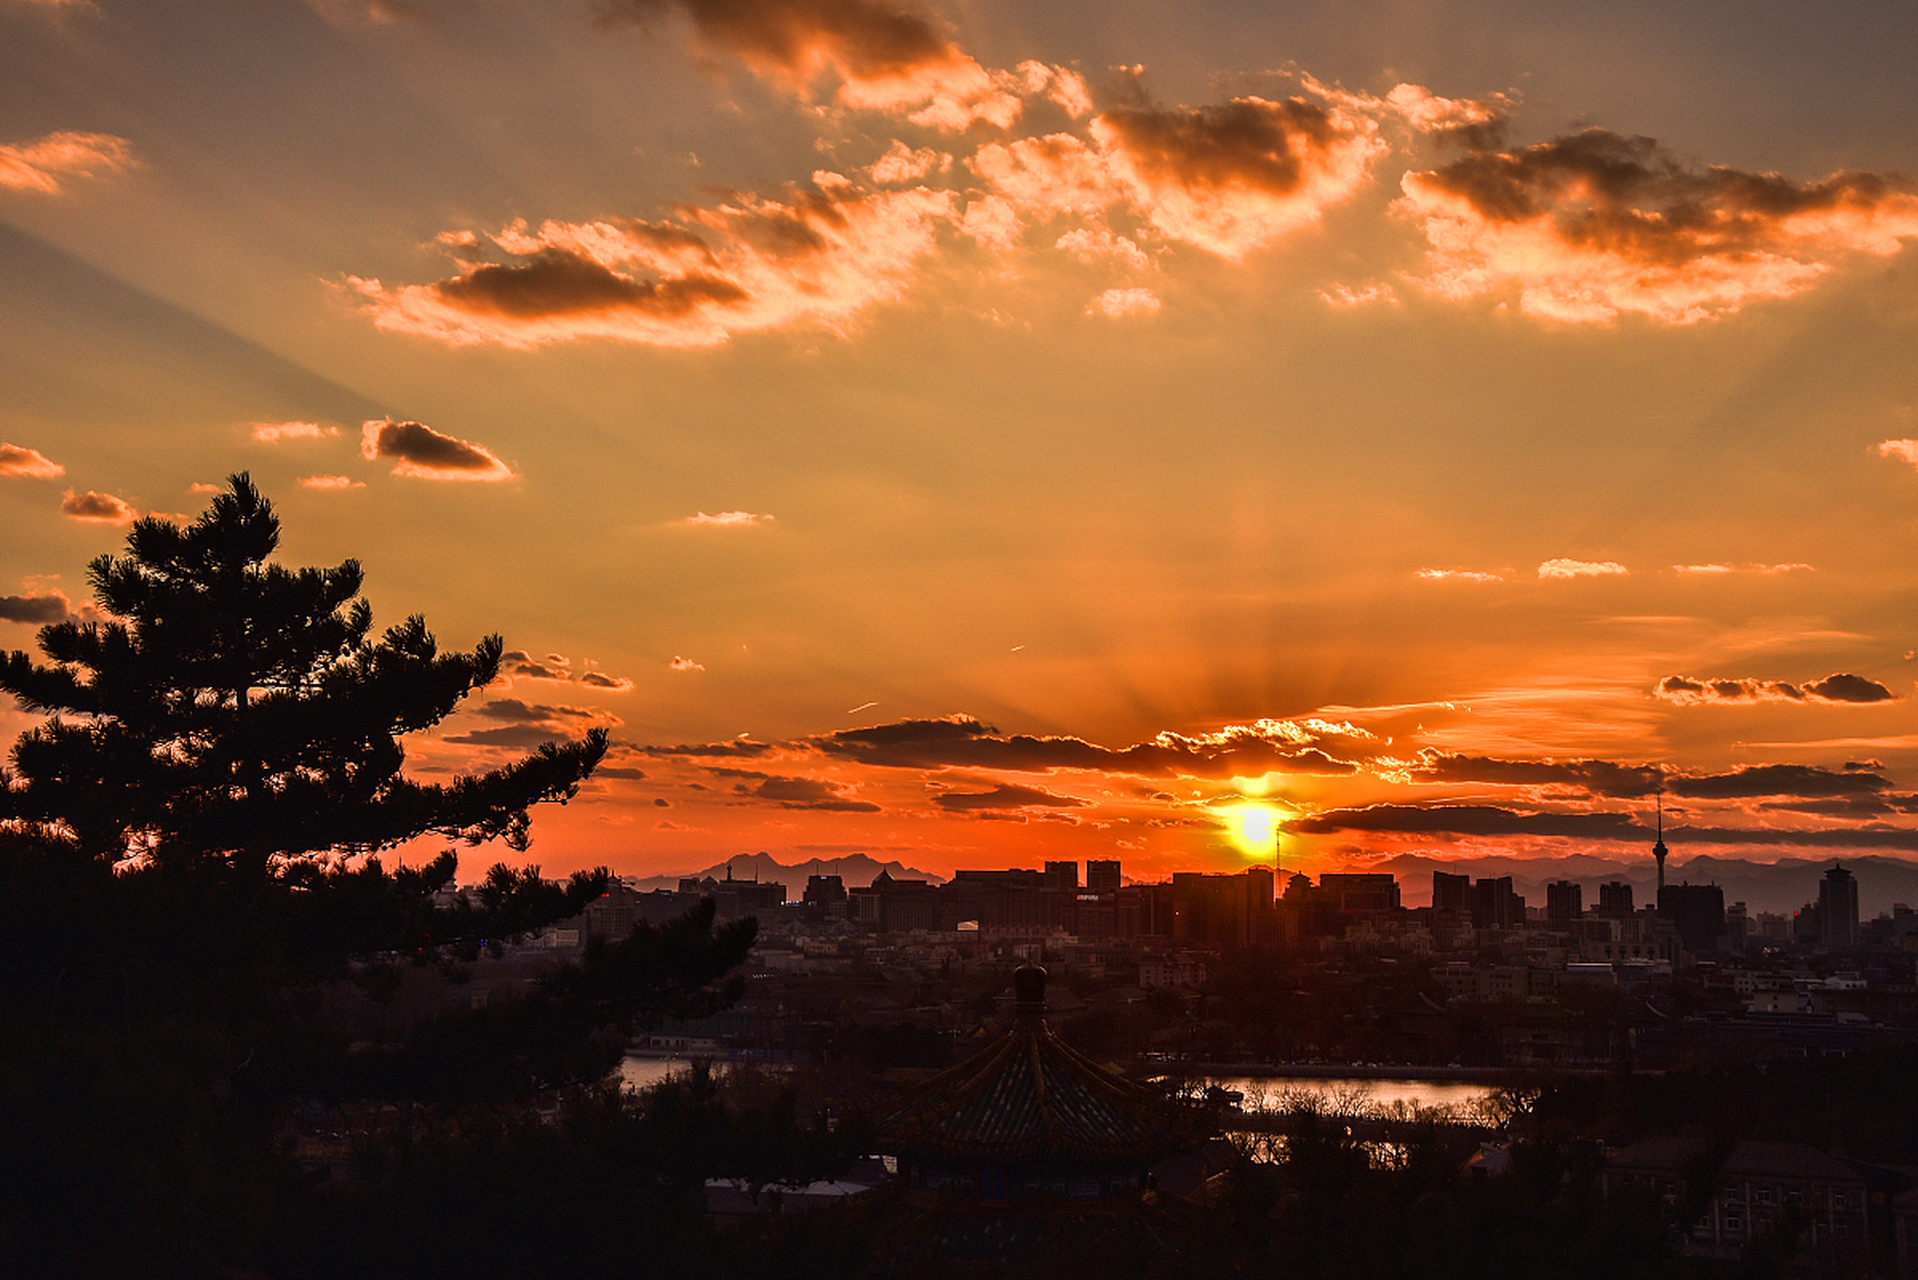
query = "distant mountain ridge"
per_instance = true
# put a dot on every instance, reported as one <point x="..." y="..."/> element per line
<point x="1781" y="887"/>
<point x="856" y="869"/>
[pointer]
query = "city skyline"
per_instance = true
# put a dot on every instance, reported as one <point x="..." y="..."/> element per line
<point x="972" y="434"/>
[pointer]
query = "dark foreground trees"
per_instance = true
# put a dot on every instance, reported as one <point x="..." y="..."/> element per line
<point x="188" y="865"/>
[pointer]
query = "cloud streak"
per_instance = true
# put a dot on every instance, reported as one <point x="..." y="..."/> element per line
<point x="45" y="164"/>
<point x="1841" y="687"/>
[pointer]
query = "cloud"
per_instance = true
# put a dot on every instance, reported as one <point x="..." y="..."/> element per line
<point x="1580" y="569"/>
<point x="1903" y="450"/>
<point x="1234" y="177"/>
<point x="422" y="453"/>
<point x="727" y="520"/>
<point x="98" y="508"/>
<point x="518" y="662"/>
<point x="1776" y="780"/>
<point x="331" y="482"/>
<point x="17" y="460"/>
<point x="1842" y="687"/>
<point x="1468" y="820"/>
<point x="1458" y="575"/>
<point x="712" y="750"/>
<point x="1715" y="569"/>
<point x="37" y="609"/>
<point x="902" y="163"/>
<point x="600" y="680"/>
<point x="274" y="432"/>
<point x="1266" y="746"/>
<point x="684" y="664"/>
<point x="527" y="724"/>
<point x="1346" y="296"/>
<point x="884" y="57"/>
<point x="44" y="164"/>
<point x="1600" y="777"/>
<point x="1092" y="245"/>
<point x="1124" y="302"/>
<point x="1006" y="796"/>
<point x="518" y="736"/>
<point x="797" y="793"/>
<point x="820" y="256"/>
<point x="1587" y="226"/>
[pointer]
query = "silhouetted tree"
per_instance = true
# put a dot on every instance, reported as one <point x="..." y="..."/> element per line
<point x="187" y="854"/>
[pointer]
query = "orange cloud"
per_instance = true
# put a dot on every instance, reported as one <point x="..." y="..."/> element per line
<point x="1458" y="575"/>
<point x="1124" y="302"/>
<point x="684" y="664"/>
<point x="728" y="520"/>
<point x="884" y="58"/>
<point x="1232" y="178"/>
<point x="18" y="460"/>
<point x="98" y="508"/>
<point x="821" y="256"/>
<point x="1903" y="450"/>
<point x="44" y="164"/>
<point x="422" y="453"/>
<point x="1588" y="226"/>
<point x="331" y="482"/>
<point x="51" y="606"/>
<point x="1228" y="178"/>
<point x="274" y="432"/>
<point x="1581" y="569"/>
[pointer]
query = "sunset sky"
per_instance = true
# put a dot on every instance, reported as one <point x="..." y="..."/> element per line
<point x="978" y="431"/>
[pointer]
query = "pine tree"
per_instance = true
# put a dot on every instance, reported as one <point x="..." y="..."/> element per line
<point x="233" y="712"/>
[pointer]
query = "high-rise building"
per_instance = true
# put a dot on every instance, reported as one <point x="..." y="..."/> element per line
<point x="1062" y="875"/>
<point x="1838" y="909"/>
<point x="1451" y="893"/>
<point x="1102" y="875"/>
<point x="1697" y="911"/>
<point x="1615" y="899"/>
<point x="1495" y="905"/>
<point x="1564" y="901"/>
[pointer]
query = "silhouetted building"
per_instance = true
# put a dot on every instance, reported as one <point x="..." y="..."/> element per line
<point x="1102" y="875"/>
<point x="1062" y="875"/>
<point x="1354" y="892"/>
<point x="1697" y="911"/>
<point x="1564" y="902"/>
<point x="1838" y="909"/>
<point x="825" y="891"/>
<point x="1495" y="905"/>
<point x="1615" y="899"/>
<point x="1451" y="893"/>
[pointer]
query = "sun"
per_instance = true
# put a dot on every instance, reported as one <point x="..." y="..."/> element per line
<point x="1254" y="828"/>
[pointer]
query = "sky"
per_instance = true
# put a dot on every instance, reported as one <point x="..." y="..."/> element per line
<point x="976" y="433"/>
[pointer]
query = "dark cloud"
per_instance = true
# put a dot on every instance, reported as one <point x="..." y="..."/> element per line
<point x="1006" y="796"/>
<point x="1845" y="687"/>
<point x="1246" y="143"/>
<point x="737" y="747"/>
<point x="797" y="793"/>
<point x="520" y="711"/>
<point x="518" y="662"/>
<point x="512" y="735"/>
<point x="1765" y="780"/>
<point x="1469" y="820"/>
<point x="1600" y="777"/>
<point x="556" y="282"/>
<point x="624" y="773"/>
<point x="98" y="508"/>
<point x="423" y="453"/>
<point x="1842" y="687"/>
<point x="662" y="802"/>
<point x="34" y="609"/>
<point x="963" y="741"/>
<point x="868" y="40"/>
<point x="600" y="680"/>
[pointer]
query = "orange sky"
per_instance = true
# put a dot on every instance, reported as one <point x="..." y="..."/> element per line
<point x="973" y="433"/>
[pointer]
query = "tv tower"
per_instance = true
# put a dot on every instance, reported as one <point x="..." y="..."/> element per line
<point x="1659" y="850"/>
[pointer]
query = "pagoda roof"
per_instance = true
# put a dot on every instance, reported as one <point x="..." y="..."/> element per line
<point x="1031" y="1098"/>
